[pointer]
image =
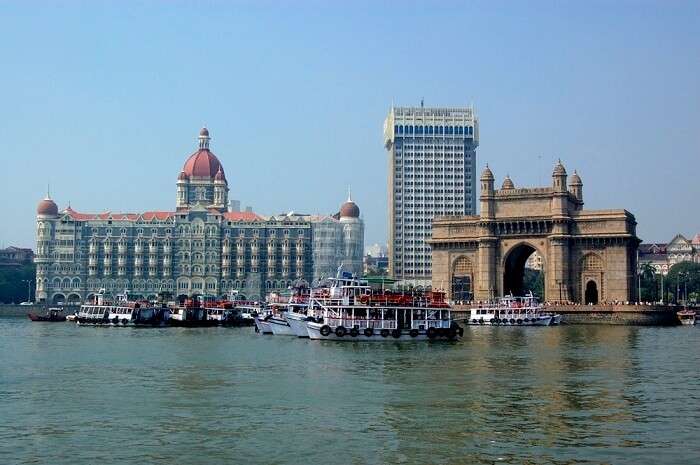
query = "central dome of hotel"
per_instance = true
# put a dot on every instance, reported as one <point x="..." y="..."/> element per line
<point x="203" y="163"/>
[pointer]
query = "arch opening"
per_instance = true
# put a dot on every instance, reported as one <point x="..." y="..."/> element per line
<point x="591" y="292"/>
<point x="523" y="271"/>
<point x="462" y="279"/>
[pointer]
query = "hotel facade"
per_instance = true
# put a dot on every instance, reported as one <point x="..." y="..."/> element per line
<point x="203" y="247"/>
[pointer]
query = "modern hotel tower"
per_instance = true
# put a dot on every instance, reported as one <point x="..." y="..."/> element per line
<point x="199" y="248"/>
<point x="432" y="161"/>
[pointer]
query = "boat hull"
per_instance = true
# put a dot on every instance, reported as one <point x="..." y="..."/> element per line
<point x="314" y="330"/>
<point x="540" y="321"/>
<point x="280" y="327"/>
<point x="46" y="319"/>
<point x="262" y="326"/>
<point x="298" y="324"/>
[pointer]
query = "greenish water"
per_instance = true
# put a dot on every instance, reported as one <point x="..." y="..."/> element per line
<point x="570" y="394"/>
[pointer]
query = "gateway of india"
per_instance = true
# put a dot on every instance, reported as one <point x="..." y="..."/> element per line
<point x="201" y="248"/>
<point x="588" y="256"/>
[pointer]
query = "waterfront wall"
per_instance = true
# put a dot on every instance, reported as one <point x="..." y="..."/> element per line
<point x="22" y="310"/>
<point x="605" y="314"/>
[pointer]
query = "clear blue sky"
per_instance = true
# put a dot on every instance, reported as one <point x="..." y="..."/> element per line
<point x="104" y="100"/>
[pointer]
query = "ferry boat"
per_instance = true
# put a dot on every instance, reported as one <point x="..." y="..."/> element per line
<point x="352" y="311"/>
<point x="121" y="313"/>
<point x="512" y="311"/>
<point x="192" y="313"/>
<point x="687" y="317"/>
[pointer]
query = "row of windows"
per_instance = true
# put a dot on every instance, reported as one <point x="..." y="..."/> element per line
<point x="441" y="130"/>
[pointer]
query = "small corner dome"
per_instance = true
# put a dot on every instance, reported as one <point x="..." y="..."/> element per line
<point x="182" y="176"/>
<point x="204" y="132"/>
<point x="47" y="207"/>
<point x="219" y="175"/>
<point x="575" y="180"/>
<point x="559" y="169"/>
<point x="349" y="210"/>
<point x="487" y="175"/>
<point x="508" y="183"/>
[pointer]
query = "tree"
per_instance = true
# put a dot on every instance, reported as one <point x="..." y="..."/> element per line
<point x="683" y="282"/>
<point x="533" y="280"/>
<point x="13" y="285"/>
<point x="649" y="283"/>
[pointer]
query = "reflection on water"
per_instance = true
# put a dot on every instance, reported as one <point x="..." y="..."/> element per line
<point x="570" y="394"/>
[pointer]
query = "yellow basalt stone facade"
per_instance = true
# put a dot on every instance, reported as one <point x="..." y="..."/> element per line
<point x="589" y="256"/>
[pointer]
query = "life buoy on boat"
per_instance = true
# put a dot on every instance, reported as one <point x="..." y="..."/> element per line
<point x="481" y="321"/>
<point x="512" y="321"/>
<point x="115" y="320"/>
<point x="124" y="321"/>
<point x="396" y="333"/>
<point x="340" y="331"/>
<point x="384" y="332"/>
<point x="519" y="321"/>
<point x="369" y="332"/>
<point x="526" y="320"/>
<point x="432" y="333"/>
<point x="413" y="332"/>
<point x="354" y="332"/>
<point x="475" y="321"/>
<point x="493" y="321"/>
<point x="325" y="330"/>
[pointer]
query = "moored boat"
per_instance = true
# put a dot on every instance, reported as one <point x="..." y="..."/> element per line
<point x="687" y="317"/>
<point x="351" y="311"/>
<point x="123" y="312"/>
<point x="52" y="315"/>
<point x="512" y="311"/>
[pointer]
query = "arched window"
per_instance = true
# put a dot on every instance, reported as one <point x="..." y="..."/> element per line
<point x="462" y="273"/>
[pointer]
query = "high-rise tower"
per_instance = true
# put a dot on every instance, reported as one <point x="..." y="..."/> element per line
<point x="432" y="163"/>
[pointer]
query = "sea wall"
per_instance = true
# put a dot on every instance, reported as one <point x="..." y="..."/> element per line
<point x="608" y="314"/>
<point x="22" y="310"/>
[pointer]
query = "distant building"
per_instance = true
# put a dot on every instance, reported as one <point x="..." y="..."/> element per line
<point x="377" y="250"/>
<point x="663" y="256"/>
<point x="432" y="166"/>
<point x="534" y="262"/>
<point x="16" y="256"/>
<point x="200" y="248"/>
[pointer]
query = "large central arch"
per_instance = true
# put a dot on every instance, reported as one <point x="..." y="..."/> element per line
<point x="514" y="269"/>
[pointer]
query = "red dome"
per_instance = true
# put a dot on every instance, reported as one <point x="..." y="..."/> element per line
<point x="202" y="163"/>
<point x="349" y="210"/>
<point x="47" y="207"/>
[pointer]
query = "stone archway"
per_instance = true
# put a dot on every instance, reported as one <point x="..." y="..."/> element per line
<point x="550" y="220"/>
<point x="58" y="299"/>
<point x="514" y="269"/>
<point x="591" y="292"/>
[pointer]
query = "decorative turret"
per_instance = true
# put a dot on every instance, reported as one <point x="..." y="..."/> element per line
<point x="507" y="184"/>
<point x="204" y="139"/>
<point x="487" y="193"/>
<point x="576" y="187"/>
<point x="220" y="190"/>
<point x="559" y="177"/>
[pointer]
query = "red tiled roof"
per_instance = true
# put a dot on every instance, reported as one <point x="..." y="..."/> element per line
<point x="242" y="216"/>
<point x="148" y="216"/>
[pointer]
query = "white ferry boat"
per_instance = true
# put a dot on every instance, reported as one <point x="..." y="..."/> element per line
<point x="512" y="311"/>
<point x="352" y="311"/>
<point x="121" y="313"/>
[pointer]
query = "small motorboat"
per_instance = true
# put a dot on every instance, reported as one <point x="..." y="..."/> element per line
<point x="686" y="317"/>
<point x="52" y="315"/>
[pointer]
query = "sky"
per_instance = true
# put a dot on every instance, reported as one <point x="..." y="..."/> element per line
<point x="104" y="100"/>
